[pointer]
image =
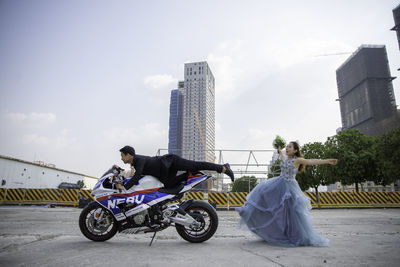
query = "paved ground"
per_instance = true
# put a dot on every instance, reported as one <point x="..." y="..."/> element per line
<point x="39" y="236"/>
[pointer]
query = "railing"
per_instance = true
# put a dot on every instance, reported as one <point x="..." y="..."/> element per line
<point x="244" y="162"/>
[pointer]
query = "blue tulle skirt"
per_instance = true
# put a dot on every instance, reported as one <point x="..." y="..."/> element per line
<point x="278" y="211"/>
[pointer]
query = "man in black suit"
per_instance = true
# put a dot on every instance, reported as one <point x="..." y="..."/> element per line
<point x="166" y="167"/>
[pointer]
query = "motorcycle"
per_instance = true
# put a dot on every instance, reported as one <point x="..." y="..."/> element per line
<point x="146" y="207"/>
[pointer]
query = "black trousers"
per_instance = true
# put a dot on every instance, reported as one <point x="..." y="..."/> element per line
<point x="189" y="166"/>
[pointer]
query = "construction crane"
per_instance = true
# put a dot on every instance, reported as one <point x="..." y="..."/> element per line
<point x="203" y="143"/>
<point x="334" y="54"/>
<point x="196" y="115"/>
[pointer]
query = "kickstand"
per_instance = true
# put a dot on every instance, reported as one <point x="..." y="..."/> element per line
<point x="151" y="242"/>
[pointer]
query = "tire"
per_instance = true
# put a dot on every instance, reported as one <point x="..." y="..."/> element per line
<point x="202" y="212"/>
<point x="94" y="229"/>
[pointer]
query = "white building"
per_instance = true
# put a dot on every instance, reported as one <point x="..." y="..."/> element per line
<point x="16" y="173"/>
<point x="198" y="129"/>
<point x="367" y="186"/>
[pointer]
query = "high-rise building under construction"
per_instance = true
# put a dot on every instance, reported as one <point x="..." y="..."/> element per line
<point x="365" y="88"/>
<point x="192" y="114"/>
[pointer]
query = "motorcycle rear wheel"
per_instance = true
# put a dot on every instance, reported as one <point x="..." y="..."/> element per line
<point x="97" y="223"/>
<point x="205" y="214"/>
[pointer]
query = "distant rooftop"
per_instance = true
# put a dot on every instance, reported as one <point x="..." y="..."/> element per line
<point x="358" y="50"/>
<point x="40" y="163"/>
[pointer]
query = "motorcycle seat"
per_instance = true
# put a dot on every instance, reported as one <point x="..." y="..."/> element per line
<point x="173" y="190"/>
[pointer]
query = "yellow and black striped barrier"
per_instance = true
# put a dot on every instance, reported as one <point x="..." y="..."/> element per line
<point x="86" y="194"/>
<point x="379" y="198"/>
<point x="221" y="199"/>
<point x="51" y="195"/>
<point x="2" y="194"/>
<point x="312" y="197"/>
<point x="393" y="198"/>
<point x="33" y="196"/>
<point x="326" y="198"/>
<point x="344" y="199"/>
<point x="69" y="197"/>
<point x="21" y="196"/>
<point x="231" y="200"/>
<point x="15" y="195"/>
<point x="194" y="195"/>
<point x="355" y="200"/>
<point x="340" y="200"/>
<point x="191" y="195"/>
<point x="236" y="199"/>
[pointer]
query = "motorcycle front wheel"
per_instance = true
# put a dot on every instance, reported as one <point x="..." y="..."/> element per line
<point x="97" y="223"/>
<point x="207" y="216"/>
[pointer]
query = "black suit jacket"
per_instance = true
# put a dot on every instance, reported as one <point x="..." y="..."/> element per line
<point x="158" y="167"/>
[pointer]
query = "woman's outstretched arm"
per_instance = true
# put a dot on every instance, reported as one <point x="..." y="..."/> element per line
<point x="315" y="161"/>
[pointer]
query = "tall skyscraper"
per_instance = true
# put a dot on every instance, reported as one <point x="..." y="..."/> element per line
<point x="366" y="92"/>
<point x="192" y="114"/>
<point x="175" y="123"/>
<point x="198" y="129"/>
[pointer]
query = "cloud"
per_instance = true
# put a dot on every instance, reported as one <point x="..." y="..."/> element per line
<point x="305" y="50"/>
<point x="65" y="140"/>
<point x="31" y="118"/>
<point x="160" y="81"/>
<point x="240" y="65"/>
<point x="61" y="141"/>
<point x="37" y="131"/>
<point x="146" y="138"/>
<point x="35" y="139"/>
<point x="225" y="63"/>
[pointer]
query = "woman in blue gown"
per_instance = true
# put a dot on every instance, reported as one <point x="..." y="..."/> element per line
<point x="277" y="210"/>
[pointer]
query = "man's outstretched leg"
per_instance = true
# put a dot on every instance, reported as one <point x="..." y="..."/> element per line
<point x="181" y="164"/>
<point x="175" y="180"/>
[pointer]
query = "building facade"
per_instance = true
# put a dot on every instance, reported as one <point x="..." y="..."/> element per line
<point x="366" y="93"/>
<point x="16" y="173"/>
<point x="192" y="114"/>
<point x="396" y="17"/>
<point x="368" y="186"/>
<point x="175" y="123"/>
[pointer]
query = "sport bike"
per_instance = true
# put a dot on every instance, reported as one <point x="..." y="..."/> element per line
<point x="146" y="207"/>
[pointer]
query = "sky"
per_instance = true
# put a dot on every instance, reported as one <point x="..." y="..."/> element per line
<point x="81" y="79"/>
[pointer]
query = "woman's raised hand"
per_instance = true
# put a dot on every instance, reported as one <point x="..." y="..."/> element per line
<point x="332" y="161"/>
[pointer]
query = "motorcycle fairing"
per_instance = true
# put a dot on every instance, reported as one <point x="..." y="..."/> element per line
<point x="136" y="198"/>
<point x="140" y="199"/>
<point x="195" y="179"/>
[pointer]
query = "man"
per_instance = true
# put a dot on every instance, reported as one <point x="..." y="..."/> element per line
<point x="166" y="167"/>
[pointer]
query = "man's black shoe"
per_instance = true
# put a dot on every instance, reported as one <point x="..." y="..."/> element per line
<point x="229" y="172"/>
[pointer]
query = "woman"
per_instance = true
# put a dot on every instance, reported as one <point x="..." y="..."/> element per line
<point x="277" y="209"/>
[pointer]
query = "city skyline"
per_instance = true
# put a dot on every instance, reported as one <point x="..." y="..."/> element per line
<point x="81" y="79"/>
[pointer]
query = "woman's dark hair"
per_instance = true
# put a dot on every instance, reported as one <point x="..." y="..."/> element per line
<point x="128" y="150"/>
<point x="298" y="154"/>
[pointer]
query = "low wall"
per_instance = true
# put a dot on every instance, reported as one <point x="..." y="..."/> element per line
<point x="21" y="196"/>
<point x="231" y="200"/>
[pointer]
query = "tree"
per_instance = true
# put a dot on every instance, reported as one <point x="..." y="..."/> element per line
<point x="275" y="169"/>
<point x="356" y="158"/>
<point x="80" y="183"/>
<point x="314" y="175"/>
<point x="387" y="151"/>
<point x="242" y="184"/>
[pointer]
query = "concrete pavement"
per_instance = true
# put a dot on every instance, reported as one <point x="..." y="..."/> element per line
<point x="39" y="236"/>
